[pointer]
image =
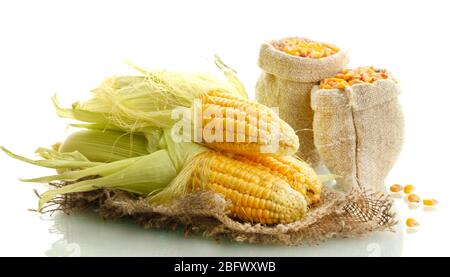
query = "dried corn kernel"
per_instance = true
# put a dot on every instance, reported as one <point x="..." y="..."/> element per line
<point x="408" y="189"/>
<point x="349" y="77"/>
<point x="411" y="222"/>
<point x="396" y="188"/>
<point x="413" y="198"/>
<point x="306" y="48"/>
<point x="430" y="202"/>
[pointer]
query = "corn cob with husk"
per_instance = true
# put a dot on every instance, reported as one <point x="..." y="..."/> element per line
<point x="224" y="120"/>
<point x="261" y="189"/>
<point x="128" y="144"/>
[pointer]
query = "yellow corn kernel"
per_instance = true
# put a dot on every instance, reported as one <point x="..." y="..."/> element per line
<point x="408" y="189"/>
<point x="256" y="194"/>
<point x="316" y="55"/>
<point x="333" y="83"/>
<point x="350" y="77"/>
<point x="355" y="81"/>
<point x="413" y="198"/>
<point x="294" y="171"/>
<point x="306" y="48"/>
<point x="411" y="222"/>
<point x="396" y="188"/>
<point x="430" y="202"/>
<point x="248" y="124"/>
<point x="341" y="85"/>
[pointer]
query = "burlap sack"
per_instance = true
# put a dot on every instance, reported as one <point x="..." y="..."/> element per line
<point x="359" y="132"/>
<point x="286" y="83"/>
<point x="206" y="213"/>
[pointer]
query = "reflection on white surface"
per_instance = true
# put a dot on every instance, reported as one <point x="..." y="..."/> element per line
<point x="89" y="235"/>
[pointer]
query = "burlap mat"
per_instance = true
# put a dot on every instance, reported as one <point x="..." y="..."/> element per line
<point x="339" y="216"/>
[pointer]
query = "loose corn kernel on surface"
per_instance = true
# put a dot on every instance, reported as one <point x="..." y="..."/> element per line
<point x="411" y="222"/>
<point x="396" y="188"/>
<point x="413" y="198"/>
<point x="408" y="189"/>
<point x="348" y="77"/>
<point x="306" y="48"/>
<point x="430" y="202"/>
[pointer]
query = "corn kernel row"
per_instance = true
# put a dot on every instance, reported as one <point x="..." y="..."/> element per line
<point x="349" y="77"/>
<point x="306" y="48"/>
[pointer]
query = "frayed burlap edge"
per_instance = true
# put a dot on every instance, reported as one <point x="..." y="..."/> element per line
<point x="339" y="216"/>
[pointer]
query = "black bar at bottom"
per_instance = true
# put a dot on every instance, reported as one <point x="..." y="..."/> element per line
<point x="204" y="266"/>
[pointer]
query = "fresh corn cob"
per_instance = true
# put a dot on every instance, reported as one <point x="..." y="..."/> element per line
<point x="294" y="171"/>
<point x="139" y="103"/>
<point x="261" y="189"/>
<point x="248" y="124"/>
<point x="256" y="194"/>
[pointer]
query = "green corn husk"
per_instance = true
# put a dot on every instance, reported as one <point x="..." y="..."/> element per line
<point x="136" y="103"/>
<point x="143" y="175"/>
<point x="152" y="135"/>
<point x="106" y="146"/>
<point x="124" y="145"/>
<point x="54" y="159"/>
<point x="146" y="175"/>
<point x="161" y="174"/>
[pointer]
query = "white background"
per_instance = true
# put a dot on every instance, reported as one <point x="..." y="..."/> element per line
<point x="68" y="47"/>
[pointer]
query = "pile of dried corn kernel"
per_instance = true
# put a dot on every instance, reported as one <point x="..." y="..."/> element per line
<point x="306" y="48"/>
<point x="412" y="198"/>
<point x="348" y="77"/>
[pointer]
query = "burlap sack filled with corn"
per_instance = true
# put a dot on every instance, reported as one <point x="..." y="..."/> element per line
<point x="288" y="77"/>
<point x="358" y="130"/>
